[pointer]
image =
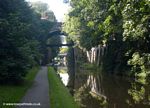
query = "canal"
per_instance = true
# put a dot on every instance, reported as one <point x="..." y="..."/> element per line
<point x="96" y="90"/>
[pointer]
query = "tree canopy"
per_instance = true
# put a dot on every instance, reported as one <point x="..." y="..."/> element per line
<point x="22" y="38"/>
<point x="121" y="25"/>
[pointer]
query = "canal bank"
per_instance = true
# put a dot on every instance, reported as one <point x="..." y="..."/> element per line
<point x="59" y="94"/>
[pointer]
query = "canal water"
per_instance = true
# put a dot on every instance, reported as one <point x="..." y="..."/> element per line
<point x="95" y="90"/>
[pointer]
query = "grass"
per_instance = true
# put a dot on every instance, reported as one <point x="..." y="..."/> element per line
<point x="59" y="94"/>
<point x="14" y="93"/>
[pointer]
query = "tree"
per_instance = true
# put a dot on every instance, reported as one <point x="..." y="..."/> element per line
<point x="47" y="21"/>
<point x="123" y="26"/>
<point x="20" y="32"/>
<point x="43" y="9"/>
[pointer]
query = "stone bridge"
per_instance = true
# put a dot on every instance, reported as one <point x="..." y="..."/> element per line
<point x="57" y="31"/>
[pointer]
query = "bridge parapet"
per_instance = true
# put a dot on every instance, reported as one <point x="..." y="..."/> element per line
<point x="56" y="30"/>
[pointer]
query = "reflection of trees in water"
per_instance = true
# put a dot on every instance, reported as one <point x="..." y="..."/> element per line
<point x="71" y="68"/>
<point x="93" y="90"/>
<point x="94" y="82"/>
<point x="90" y="93"/>
<point x="140" y="92"/>
<point x="87" y="100"/>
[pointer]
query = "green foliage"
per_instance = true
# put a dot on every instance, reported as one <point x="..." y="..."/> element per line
<point x="137" y="95"/>
<point x="53" y="51"/>
<point x="71" y="26"/>
<point x="87" y="98"/>
<point x="138" y="90"/>
<point x="123" y="25"/>
<point x="47" y="22"/>
<point x="14" y="93"/>
<point x="71" y="61"/>
<point x="136" y="31"/>
<point x="22" y="35"/>
<point x="63" y="50"/>
<point x="88" y="66"/>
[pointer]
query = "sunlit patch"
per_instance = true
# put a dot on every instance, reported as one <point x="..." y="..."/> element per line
<point x="62" y="71"/>
<point x="64" y="78"/>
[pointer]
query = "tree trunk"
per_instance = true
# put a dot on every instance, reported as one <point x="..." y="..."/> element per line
<point x="98" y="55"/>
<point x="88" y="56"/>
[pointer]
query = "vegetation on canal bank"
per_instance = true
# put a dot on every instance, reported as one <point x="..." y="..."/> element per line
<point x="59" y="94"/>
<point x="112" y="34"/>
<point x="89" y="66"/>
<point x="14" y="93"/>
<point x="23" y="37"/>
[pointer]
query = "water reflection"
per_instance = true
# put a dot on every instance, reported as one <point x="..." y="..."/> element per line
<point x="106" y="91"/>
<point x="140" y="92"/>
<point x="62" y="71"/>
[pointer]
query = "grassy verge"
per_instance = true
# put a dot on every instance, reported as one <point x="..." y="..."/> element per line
<point x="59" y="94"/>
<point x="14" y="93"/>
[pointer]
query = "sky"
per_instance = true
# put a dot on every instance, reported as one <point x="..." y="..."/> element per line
<point x="57" y="6"/>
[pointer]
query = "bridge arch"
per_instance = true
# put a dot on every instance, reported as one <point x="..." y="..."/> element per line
<point x="56" y="31"/>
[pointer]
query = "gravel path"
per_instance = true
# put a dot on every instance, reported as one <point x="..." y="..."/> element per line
<point x="38" y="94"/>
